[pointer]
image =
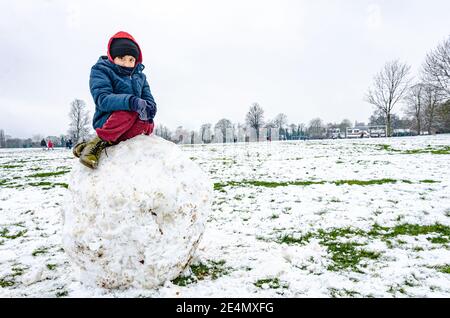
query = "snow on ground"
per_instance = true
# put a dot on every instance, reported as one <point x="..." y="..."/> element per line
<point x="333" y="218"/>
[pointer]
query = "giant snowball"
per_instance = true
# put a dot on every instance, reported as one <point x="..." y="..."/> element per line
<point x="137" y="219"/>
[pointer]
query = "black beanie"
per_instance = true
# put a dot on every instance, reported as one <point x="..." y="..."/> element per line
<point x="122" y="47"/>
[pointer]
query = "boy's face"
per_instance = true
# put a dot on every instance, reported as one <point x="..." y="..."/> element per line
<point x="126" y="61"/>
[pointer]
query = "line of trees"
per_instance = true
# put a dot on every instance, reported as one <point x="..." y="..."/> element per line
<point x="227" y="131"/>
<point x="34" y="142"/>
<point x="427" y="98"/>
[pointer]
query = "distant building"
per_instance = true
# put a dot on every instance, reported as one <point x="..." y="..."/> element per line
<point x="377" y="131"/>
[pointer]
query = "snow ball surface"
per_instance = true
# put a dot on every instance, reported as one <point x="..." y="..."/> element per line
<point x="137" y="219"/>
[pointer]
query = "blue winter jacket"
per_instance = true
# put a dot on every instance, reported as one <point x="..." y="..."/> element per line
<point x="112" y="86"/>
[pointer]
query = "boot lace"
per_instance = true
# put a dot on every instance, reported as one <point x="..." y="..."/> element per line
<point x="98" y="147"/>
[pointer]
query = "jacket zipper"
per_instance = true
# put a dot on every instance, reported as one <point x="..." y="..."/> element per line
<point x="133" y="71"/>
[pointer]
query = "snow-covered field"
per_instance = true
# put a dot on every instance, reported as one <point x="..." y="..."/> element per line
<point x="342" y="218"/>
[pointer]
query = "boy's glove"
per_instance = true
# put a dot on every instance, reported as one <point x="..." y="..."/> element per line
<point x="145" y="110"/>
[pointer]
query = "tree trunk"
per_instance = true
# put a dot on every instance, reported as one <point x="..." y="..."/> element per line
<point x="418" y="125"/>
<point x="389" y="128"/>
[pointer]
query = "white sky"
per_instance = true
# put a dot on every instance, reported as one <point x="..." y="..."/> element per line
<point x="207" y="60"/>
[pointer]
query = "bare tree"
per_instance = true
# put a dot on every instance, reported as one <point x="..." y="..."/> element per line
<point x="415" y="101"/>
<point x="316" y="128"/>
<point x="431" y="101"/>
<point x="436" y="68"/>
<point x="163" y="132"/>
<point x="390" y="86"/>
<point x="37" y="138"/>
<point x="223" y="125"/>
<point x="280" y="120"/>
<point x="270" y="124"/>
<point x="182" y="135"/>
<point x="255" y="118"/>
<point x="205" y="133"/>
<point x="301" y="128"/>
<point x="346" y="123"/>
<point x="293" y="128"/>
<point x="443" y="117"/>
<point x="79" y="120"/>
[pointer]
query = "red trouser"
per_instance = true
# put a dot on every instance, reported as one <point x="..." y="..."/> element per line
<point x="123" y="125"/>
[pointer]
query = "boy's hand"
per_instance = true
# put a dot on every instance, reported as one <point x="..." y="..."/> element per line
<point x="145" y="110"/>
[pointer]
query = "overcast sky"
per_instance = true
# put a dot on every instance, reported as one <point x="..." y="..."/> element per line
<point x="206" y="60"/>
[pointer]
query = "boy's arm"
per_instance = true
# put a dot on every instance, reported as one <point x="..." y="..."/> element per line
<point x="147" y="95"/>
<point x="102" y="92"/>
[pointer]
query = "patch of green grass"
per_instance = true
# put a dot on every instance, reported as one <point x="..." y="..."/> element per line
<point x="51" y="266"/>
<point x="61" y="184"/>
<point x="201" y="271"/>
<point x="39" y="251"/>
<point x="289" y="239"/>
<point x="47" y="174"/>
<point x="364" y="183"/>
<point x="385" y="233"/>
<point x="443" y="150"/>
<point x="266" y="184"/>
<point x="342" y="293"/>
<point x="10" y="166"/>
<point x="273" y="283"/>
<point x="62" y="293"/>
<point x="270" y="184"/>
<point x="346" y="255"/>
<point x="444" y="269"/>
<point x="4" y="233"/>
<point x="212" y="269"/>
<point x="429" y="181"/>
<point x="9" y="280"/>
<point x="415" y="229"/>
<point x="5" y="282"/>
<point x="48" y="185"/>
<point x="414" y="151"/>
<point x="349" y="254"/>
<point x="63" y="168"/>
<point x="17" y="271"/>
<point x="439" y="240"/>
<point x="184" y="280"/>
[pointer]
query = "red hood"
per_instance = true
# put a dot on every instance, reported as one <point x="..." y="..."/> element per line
<point x="123" y="35"/>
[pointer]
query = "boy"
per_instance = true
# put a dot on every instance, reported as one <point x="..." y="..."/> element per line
<point x="124" y="105"/>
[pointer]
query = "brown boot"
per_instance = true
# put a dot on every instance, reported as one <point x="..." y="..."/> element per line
<point x="79" y="148"/>
<point x="90" y="155"/>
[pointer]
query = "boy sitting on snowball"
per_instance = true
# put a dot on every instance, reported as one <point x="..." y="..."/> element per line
<point x="124" y="105"/>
